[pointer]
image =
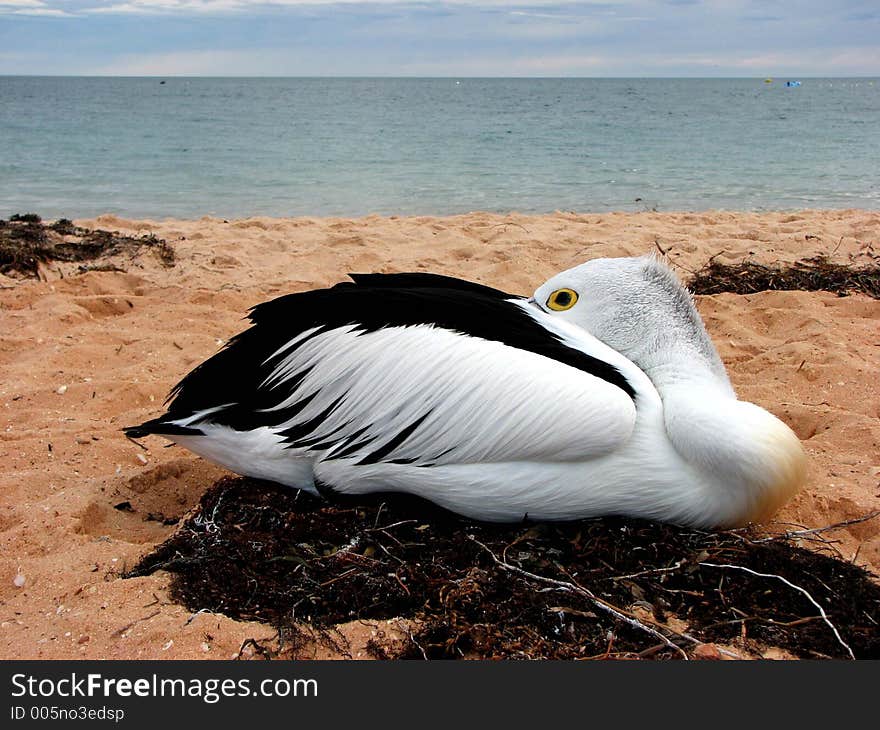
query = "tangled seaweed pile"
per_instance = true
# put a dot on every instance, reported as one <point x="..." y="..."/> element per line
<point x="596" y="588"/>
<point x="26" y="243"/>
<point x="817" y="273"/>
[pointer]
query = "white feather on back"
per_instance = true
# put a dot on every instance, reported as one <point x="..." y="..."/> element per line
<point x="481" y="401"/>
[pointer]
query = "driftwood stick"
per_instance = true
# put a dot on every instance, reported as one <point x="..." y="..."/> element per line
<point x="797" y="588"/>
<point x="618" y="613"/>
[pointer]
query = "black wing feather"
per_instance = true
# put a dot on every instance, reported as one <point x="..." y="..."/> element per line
<point x="423" y="280"/>
<point x="374" y="301"/>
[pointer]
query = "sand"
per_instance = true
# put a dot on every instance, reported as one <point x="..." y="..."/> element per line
<point x="83" y="354"/>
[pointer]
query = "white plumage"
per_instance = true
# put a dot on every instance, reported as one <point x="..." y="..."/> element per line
<point x="601" y="395"/>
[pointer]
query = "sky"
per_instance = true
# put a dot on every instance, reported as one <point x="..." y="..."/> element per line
<point x="461" y="38"/>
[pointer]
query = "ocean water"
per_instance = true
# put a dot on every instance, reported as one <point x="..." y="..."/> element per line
<point x="186" y="147"/>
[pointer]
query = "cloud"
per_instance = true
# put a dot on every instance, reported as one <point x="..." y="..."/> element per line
<point x="219" y="62"/>
<point x="35" y="8"/>
<point x="543" y="65"/>
<point x="225" y="6"/>
<point x="457" y="37"/>
<point x="812" y="62"/>
<point x="150" y="7"/>
<point x="191" y="63"/>
<point x="44" y="12"/>
<point x="839" y="61"/>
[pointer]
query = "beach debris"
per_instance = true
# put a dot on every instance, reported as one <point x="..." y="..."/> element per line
<point x="141" y="458"/>
<point x="19" y="580"/>
<point x="816" y="273"/>
<point x="25" y="218"/>
<point x="61" y="390"/>
<point x="707" y="652"/>
<point x="601" y="588"/>
<point x="28" y="245"/>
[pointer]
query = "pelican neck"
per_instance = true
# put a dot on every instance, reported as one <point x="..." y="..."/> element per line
<point x="688" y="368"/>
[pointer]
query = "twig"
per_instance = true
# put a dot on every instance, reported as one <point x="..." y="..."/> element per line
<point x="572" y="611"/>
<point x="137" y="443"/>
<point x="796" y="622"/>
<point x="580" y="590"/>
<point x="338" y="577"/>
<point x="389" y="553"/>
<point x="670" y="569"/>
<point x="402" y="584"/>
<point x="412" y="638"/>
<point x="378" y="515"/>
<point x="120" y="632"/>
<point x="819" y="530"/>
<point x="797" y="588"/>
<point x="527" y="535"/>
<point x="680" y="634"/>
<point x="261" y="650"/>
<point x="510" y="223"/>
<point x="650" y="651"/>
<point x="388" y="527"/>
<point x="199" y="613"/>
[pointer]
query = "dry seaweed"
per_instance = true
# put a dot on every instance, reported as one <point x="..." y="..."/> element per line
<point x="26" y="243"/>
<point x="596" y="588"/>
<point x="817" y="273"/>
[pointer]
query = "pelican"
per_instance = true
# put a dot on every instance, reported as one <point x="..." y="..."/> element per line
<point x="601" y="394"/>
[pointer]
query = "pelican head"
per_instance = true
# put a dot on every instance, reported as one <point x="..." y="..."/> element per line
<point x="638" y="307"/>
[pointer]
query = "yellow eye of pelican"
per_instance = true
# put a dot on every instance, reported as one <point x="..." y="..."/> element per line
<point x="562" y="299"/>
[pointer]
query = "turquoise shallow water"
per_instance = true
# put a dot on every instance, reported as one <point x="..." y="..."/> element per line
<point x="236" y="147"/>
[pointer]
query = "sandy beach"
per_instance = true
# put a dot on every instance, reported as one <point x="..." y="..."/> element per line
<point x="84" y="354"/>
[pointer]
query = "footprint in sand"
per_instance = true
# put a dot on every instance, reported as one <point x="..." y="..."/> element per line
<point x="105" y="306"/>
<point x="145" y="507"/>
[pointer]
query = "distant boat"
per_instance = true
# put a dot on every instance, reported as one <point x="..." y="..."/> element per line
<point x="792" y="83"/>
<point x="768" y="81"/>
